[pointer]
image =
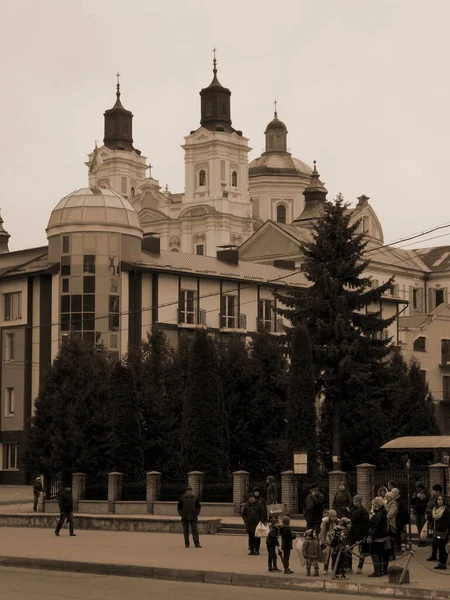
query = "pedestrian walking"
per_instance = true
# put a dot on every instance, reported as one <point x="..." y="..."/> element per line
<point x="286" y="543"/>
<point x="440" y="520"/>
<point x="311" y="552"/>
<point x="359" y="531"/>
<point x="378" y="536"/>
<point x="37" y="490"/>
<point x="325" y="535"/>
<point x="342" y="500"/>
<point x="391" y="513"/>
<point x="313" y="508"/>
<point x="65" y="502"/>
<point x="253" y="513"/>
<point x="402" y="519"/>
<point x="189" y="508"/>
<point x="272" y="544"/>
<point x="419" y="502"/>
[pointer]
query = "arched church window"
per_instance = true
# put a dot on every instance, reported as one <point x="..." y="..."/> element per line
<point x="202" y="177"/>
<point x="234" y="179"/>
<point x="281" y="213"/>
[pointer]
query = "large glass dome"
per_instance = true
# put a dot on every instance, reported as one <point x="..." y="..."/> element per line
<point x="92" y="208"/>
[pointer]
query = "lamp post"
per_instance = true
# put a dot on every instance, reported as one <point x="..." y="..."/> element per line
<point x="408" y="470"/>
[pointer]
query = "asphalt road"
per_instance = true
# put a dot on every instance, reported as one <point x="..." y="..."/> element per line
<point x="31" y="584"/>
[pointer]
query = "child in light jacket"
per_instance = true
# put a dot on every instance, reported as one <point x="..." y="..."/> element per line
<point x="311" y="552"/>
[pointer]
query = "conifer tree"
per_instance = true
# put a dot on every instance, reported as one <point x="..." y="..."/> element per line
<point x="347" y="338"/>
<point x="266" y="411"/>
<point x="125" y="439"/>
<point x="301" y="406"/>
<point x="205" y="439"/>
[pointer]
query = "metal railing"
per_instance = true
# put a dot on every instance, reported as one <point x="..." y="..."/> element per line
<point x="192" y="317"/>
<point x="274" y="325"/>
<point x="233" y="321"/>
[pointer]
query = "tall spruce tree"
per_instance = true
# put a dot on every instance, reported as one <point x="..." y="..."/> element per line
<point x="267" y="408"/>
<point x="301" y="410"/>
<point x="340" y="310"/>
<point x="125" y="440"/>
<point x="236" y="377"/>
<point x="75" y="394"/>
<point x="205" y="439"/>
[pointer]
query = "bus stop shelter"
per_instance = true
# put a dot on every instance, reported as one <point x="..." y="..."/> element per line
<point x="415" y="444"/>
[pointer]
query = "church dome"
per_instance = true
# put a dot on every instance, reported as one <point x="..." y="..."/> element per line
<point x="276" y="125"/>
<point x="94" y="209"/>
<point x="278" y="163"/>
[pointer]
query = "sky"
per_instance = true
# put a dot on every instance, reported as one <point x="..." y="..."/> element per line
<point x="360" y="84"/>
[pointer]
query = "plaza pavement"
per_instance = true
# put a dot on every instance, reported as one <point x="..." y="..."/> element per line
<point x="222" y="559"/>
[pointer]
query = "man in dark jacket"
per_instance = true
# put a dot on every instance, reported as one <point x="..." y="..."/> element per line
<point x="65" y="502"/>
<point x="252" y="513"/>
<point x="189" y="508"/>
<point x="359" y="531"/>
<point x="37" y="489"/>
<point x="313" y="509"/>
<point x="419" y="502"/>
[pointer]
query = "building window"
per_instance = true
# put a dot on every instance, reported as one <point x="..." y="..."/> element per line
<point x="234" y="179"/>
<point x="9" y="346"/>
<point x="13" y="306"/>
<point x="202" y="178"/>
<point x="439" y="297"/>
<point x="415" y="299"/>
<point x="65" y="266"/>
<point x="424" y="376"/>
<point x="394" y="290"/>
<point x="186" y="307"/>
<point x="89" y="264"/>
<point x="446" y="387"/>
<point x="265" y="315"/>
<point x="200" y="249"/>
<point x="281" y="213"/>
<point x="375" y="284"/>
<point x="228" y="311"/>
<point x="420" y="344"/>
<point x="66" y="244"/>
<point x="65" y="285"/>
<point x="9" y="402"/>
<point x="445" y="352"/>
<point x="10" y="452"/>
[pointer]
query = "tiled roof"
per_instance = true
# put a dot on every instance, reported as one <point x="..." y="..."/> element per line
<point x="210" y="266"/>
<point x="413" y="322"/>
<point x="436" y="259"/>
<point x="22" y="260"/>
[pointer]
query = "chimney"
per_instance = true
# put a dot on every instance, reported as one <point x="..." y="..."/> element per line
<point x="284" y="264"/>
<point x="151" y="242"/>
<point x="228" y="253"/>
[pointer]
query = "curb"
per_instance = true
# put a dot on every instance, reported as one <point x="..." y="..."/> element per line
<point x="218" y="577"/>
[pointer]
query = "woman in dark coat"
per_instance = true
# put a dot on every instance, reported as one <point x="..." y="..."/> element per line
<point x="359" y="530"/>
<point x="252" y="514"/>
<point x="342" y="501"/>
<point x="419" y="502"/>
<point x="440" y="522"/>
<point x="378" y="536"/>
<point x="271" y="490"/>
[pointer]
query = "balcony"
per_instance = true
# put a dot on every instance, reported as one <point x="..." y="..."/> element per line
<point x="233" y="322"/>
<point x="191" y="319"/>
<point x="274" y="325"/>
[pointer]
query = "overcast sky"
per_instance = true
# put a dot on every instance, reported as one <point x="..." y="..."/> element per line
<point x="363" y="87"/>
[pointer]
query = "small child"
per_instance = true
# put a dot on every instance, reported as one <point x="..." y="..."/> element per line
<point x="286" y="543"/>
<point x="339" y="547"/>
<point x="272" y="544"/>
<point x="311" y="551"/>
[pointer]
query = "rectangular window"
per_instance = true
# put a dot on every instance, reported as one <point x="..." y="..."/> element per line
<point x="13" y="306"/>
<point x="228" y="311"/>
<point x="66" y="244"/>
<point x="65" y="266"/>
<point x="265" y="315"/>
<point x="65" y="285"/>
<point x="9" y="402"/>
<point x="89" y="285"/>
<point x="75" y="302"/>
<point x="200" y="249"/>
<point x="186" y="307"/>
<point x="9" y="346"/>
<point x="439" y="295"/>
<point x="88" y="303"/>
<point x="420" y="344"/>
<point x="65" y="322"/>
<point x="415" y="299"/>
<point x="446" y="387"/>
<point x="10" y="457"/>
<point x="445" y="347"/>
<point x="89" y="264"/>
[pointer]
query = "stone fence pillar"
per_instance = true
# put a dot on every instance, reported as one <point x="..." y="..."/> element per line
<point x="365" y="477"/>
<point x="195" y="481"/>
<point x="114" y="489"/>
<point x="240" y="489"/>
<point x="335" y="480"/>
<point x="437" y="475"/>
<point x="289" y="492"/>
<point x="153" y="489"/>
<point x="78" y="489"/>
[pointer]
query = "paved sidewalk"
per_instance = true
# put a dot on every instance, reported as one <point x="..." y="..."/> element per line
<point x="221" y="559"/>
<point x="11" y="495"/>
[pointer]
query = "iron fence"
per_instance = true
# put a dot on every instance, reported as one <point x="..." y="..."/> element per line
<point x="54" y="485"/>
<point x="217" y="489"/>
<point x="136" y="490"/>
<point x="172" y="490"/>
<point x="96" y="488"/>
<point x="400" y="478"/>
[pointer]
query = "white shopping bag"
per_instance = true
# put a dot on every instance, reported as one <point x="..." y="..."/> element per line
<point x="298" y="546"/>
<point x="261" y="531"/>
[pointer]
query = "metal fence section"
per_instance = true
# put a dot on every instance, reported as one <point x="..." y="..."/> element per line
<point x="400" y="478"/>
<point x="134" y="490"/>
<point x="54" y="485"/>
<point x="172" y="490"/>
<point x="96" y="488"/>
<point x="217" y="489"/>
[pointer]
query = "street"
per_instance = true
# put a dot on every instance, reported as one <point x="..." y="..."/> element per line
<point x="30" y="584"/>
